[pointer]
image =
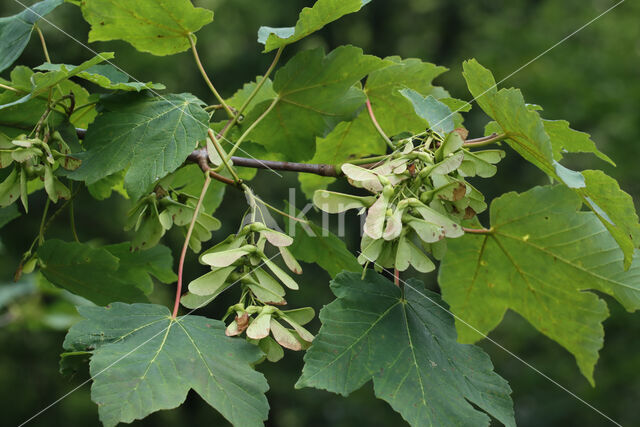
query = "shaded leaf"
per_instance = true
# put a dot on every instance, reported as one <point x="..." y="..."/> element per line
<point x="265" y="93"/>
<point x="395" y="114"/>
<point x="315" y="93"/>
<point x="8" y="214"/>
<point x="165" y="358"/>
<point x="407" y="346"/>
<point x="40" y="83"/>
<point x="106" y="76"/>
<point x="151" y="136"/>
<point x="314" y="244"/>
<point x="92" y="273"/>
<point x="15" y="30"/>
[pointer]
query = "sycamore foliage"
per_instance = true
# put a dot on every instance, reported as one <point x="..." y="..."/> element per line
<point x="407" y="345"/>
<point x="380" y="123"/>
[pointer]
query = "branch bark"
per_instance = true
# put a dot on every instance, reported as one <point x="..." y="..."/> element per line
<point x="201" y="158"/>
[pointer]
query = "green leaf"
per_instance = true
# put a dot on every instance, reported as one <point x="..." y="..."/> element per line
<point x="614" y="208"/>
<point x="10" y="188"/>
<point x="564" y="139"/>
<point x="160" y="27"/>
<point x="438" y="115"/>
<point x="395" y="114"/>
<point x="541" y="257"/>
<point x="92" y="273"/>
<point x="8" y="214"/>
<point x="107" y="274"/>
<point x="315" y="93"/>
<point x="40" y="83"/>
<point x="144" y="361"/>
<point x="407" y="346"/>
<point x="15" y="30"/>
<point x="136" y="267"/>
<point x="525" y="130"/>
<point x="21" y="114"/>
<point x="102" y="188"/>
<point x="265" y="93"/>
<point x="311" y="19"/>
<point x="151" y="136"/>
<point x="189" y="179"/>
<point x="527" y="135"/>
<point x="314" y="244"/>
<point x="106" y="76"/>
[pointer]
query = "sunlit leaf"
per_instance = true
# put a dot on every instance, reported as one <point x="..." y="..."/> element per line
<point x="539" y="260"/>
<point x="160" y="27"/>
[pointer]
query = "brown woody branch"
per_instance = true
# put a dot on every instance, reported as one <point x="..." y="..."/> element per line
<point x="201" y="158"/>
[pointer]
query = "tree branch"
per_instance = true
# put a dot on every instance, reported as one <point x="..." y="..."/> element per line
<point x="201" y="158"/>
<point x="485" y="140"/>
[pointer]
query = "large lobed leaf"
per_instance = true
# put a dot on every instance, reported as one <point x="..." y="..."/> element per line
<point x="160" y="27"/>
<point x="151" y="136"/>
<point x="142" y="361"/>
<point x="15" y="30"/>
<point x="394" y="113"/>
<point x="539" y="259"/>
<point x="314" y="93"/>
<point x="542" y="142"/>
<point x="107" y="274"/>
<point x="407" y="345"/>
<point x="311" y="19"/>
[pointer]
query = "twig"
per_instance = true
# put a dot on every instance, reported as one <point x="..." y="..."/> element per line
<point x="478" y="230"/>
<point x="486" y="140"/>
<point x="253" y="125"/>
<point x="252" y="95"/>
<point x="12" y="89"/>
<point x="377" y="125"/>
<point x="200" y="157"/>
<point x="223" y="156"/>
<point x="44" y="44"/>
<point x="206" y="77"/>
<point x="183" y="254"/>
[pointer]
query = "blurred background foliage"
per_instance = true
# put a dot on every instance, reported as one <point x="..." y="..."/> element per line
<point x="591" y="80"/>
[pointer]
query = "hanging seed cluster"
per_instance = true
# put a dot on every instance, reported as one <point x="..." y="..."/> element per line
<point x="36" y="161"/>
<point x="239" y="259"/>
<point x="420" y="196"/>
<point x="153" y="215"/>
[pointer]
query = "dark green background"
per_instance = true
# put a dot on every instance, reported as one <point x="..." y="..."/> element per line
<point x="592" y="80"/>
